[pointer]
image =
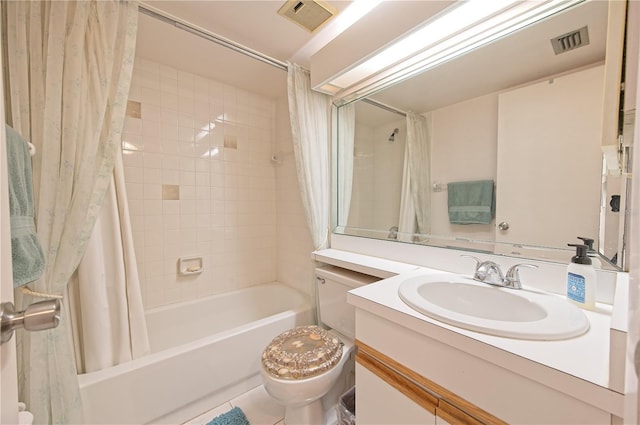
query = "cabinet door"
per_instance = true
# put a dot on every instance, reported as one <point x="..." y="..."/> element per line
<point x="377" y="402"/>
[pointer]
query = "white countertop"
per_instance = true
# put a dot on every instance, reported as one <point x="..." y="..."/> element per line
<point x="578" y="366"/>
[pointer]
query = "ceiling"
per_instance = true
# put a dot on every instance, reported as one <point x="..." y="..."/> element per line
<point x="256" y="24"/>
<point x="252" y="23"/>
<point x="519" y="58"/>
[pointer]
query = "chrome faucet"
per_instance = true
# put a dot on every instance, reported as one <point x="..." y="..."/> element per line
<point x="489" y="272"/>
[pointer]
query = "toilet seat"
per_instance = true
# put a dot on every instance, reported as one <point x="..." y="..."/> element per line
<point x="301" y="352"/>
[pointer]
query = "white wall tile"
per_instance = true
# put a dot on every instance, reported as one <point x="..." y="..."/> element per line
<point x="132" y="125"/>
<point x="227" y="204"/>
<point x="171" y="207"/>
<point x="168" y="100"/>
<point x="168" y="71"/>
<point x="132" y="159"/>
<point x="153" y="191"/>
<point x="152" y="175"/>
<point x="150" y="96"/>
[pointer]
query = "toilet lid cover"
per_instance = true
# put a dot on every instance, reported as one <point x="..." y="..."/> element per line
<point x="301" y="352"/>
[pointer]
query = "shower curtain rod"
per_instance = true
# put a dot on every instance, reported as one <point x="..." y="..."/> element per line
<point x="202" y="33"/>
<point x="385" y="107"/>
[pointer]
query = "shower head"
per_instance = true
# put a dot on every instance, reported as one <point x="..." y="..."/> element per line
<point x="392" y="137"/>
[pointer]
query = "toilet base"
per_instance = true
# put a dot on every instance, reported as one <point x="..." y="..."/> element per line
<point x="305" y="414"/>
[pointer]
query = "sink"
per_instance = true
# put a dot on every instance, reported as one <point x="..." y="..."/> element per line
<point x="472" y="305"/>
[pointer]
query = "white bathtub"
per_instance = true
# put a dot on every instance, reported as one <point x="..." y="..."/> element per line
<point x="204" y="352"/>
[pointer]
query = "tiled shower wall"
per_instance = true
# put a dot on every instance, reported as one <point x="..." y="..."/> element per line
<point x="200" y="182"/>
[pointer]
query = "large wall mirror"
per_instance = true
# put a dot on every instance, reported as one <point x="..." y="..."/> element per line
<point x="507" y="153"/>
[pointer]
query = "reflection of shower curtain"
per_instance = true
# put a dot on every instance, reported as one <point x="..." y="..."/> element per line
<point x="407" y="222"/>
<point x="418" y="146"/>
<point x="346" y="136"/>
<point x="107" y="313"/>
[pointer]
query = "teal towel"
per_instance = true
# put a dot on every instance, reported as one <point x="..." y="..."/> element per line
<point x="26" y="252"/>
<point x="471" y="202"/>
<point x="234" y="416"/>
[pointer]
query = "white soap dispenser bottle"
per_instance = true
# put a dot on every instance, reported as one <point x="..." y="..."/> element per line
<point x="581" y="279"/>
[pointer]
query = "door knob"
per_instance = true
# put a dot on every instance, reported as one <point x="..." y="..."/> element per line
<point x="503" y="225"/>
<point x="37" y="317"/>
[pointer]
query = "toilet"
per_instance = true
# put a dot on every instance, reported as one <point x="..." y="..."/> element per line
<point x="307" y="368"/>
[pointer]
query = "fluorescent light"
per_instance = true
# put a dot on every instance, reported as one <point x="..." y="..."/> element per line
<point x="462" y="28"/>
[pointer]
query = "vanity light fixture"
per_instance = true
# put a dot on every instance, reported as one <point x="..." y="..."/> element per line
<point x="454" y="32"/>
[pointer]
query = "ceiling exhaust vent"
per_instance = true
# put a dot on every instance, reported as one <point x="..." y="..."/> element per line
<point x="570" y="41"/>
<point x="309" y="14"/>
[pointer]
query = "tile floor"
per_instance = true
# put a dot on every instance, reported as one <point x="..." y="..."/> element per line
<point x="256" y="405"/>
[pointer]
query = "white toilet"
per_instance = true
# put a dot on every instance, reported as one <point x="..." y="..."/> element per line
<point x="307" y="368"/>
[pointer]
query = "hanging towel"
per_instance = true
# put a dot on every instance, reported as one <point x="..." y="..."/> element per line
<point x="471" y="202"/>
<point x="234" y="416"/>
<point x="26" y="252"/>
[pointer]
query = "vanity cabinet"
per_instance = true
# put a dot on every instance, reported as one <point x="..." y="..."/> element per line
<point x="390" y="393"/>
<point x="378" y="402"/>
<point x="401" y="371"/>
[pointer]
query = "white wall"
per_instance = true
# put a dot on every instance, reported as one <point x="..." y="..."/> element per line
<point x="226" y="211"/>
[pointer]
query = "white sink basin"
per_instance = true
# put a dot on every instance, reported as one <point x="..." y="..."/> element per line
<point x="479" y="307"/>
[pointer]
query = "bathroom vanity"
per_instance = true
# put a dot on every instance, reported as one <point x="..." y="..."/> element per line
<point x="414" y="369"/>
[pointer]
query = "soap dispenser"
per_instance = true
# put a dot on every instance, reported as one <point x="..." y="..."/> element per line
<point x="593" y="255"/>
<point x="581" y="279"/>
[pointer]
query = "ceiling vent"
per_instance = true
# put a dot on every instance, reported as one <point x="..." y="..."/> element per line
<point x="570" y="41"/>
<point x="309" y="14"/>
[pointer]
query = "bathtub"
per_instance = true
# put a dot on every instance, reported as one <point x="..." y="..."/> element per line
<point x="203" y="353"/>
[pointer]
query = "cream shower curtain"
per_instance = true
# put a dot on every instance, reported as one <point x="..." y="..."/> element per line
<point x="407" y="221"/>
<point x="309" y="115"/>
<point x="69" y="71"/>
<point x="346" y="138"/>
<point x="419" y="156"/>
<point x="105" y="299"/>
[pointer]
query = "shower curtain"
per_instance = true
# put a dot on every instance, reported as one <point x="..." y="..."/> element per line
<point x="69" y="71"/>
<point x="346" y="137"/>
<point x="309" y="115"/>
<point x="407" y="221"/>
<point x="418" y="147"/>
<point x="105" y="299"/>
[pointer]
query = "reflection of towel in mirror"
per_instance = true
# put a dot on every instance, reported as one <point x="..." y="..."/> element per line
<point x="471" y="202"/>
<point x="26" y="252"/>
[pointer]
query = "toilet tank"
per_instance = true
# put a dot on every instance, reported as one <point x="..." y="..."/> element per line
<point x="333" y="283"/>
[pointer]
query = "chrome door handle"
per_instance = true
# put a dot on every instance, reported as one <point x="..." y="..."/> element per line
<point x="37" y="317"/>
<point x="503" y="225"/>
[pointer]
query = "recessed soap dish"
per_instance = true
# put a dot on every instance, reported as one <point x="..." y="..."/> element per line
<point x="188" y="266"/>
